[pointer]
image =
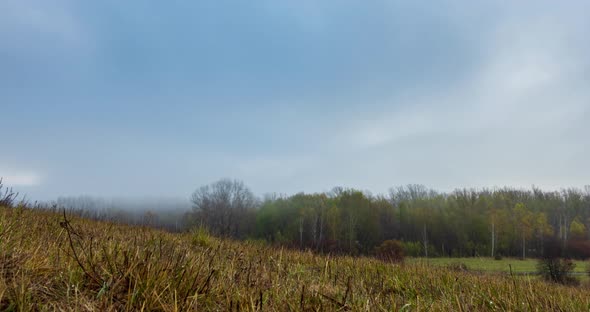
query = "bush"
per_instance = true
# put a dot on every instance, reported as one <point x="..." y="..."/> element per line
<point x="413" y="249"/>
<point x="390" y="250"/>
<point x="555" y="269"/>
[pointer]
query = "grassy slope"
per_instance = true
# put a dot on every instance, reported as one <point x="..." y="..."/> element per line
<point x="113" y="267"/>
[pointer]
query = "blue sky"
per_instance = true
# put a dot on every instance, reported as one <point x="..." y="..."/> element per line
<point x="144" y="98"/>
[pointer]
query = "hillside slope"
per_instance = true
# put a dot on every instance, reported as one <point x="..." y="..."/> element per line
<point x="50" y="263"/>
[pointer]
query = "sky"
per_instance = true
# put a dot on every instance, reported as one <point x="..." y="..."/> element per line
<point x="156" y="98"/>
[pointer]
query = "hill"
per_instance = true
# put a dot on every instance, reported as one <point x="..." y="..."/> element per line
<point x="49" y="261"/>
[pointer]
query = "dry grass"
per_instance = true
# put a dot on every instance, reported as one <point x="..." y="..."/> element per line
<point x="47" y="263"/>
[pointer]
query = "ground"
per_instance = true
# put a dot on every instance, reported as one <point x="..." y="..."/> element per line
<point x="48" y="263"/>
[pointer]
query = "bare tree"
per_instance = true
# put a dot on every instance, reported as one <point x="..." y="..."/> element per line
<point x="226" y="207"/>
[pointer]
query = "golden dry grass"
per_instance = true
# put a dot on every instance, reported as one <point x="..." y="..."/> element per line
<point x="82" y="265"/>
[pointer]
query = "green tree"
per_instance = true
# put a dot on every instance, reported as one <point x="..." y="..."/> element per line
<point x="577" y="229"/>
<point x="524" y="220"/>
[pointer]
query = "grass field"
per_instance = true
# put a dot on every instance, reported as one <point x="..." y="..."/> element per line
<point x="491" y="265"/>
<point x="48" y="264"/>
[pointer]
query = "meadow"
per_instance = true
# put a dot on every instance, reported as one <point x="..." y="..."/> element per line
<point x="486" y="264"/>
<point x="51" y="261"/>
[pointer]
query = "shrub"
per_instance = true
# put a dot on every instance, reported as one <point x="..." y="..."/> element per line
<point x="390" y="250"/>
<point x="553" y="268"/>
<point x="557" y="270"/>
<point x="413" y="249"/>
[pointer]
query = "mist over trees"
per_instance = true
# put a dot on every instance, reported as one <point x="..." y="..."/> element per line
<point x="165" y="213"/>
<point x="226" y="208"/>
<point x="463" y="223"/>
<point x="466" y="222"/>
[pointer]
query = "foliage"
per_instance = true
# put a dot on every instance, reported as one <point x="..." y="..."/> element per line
<point x="413" y="249"/>
<point x="577" y="229"/>
<point x="390" y="250"/>
<point x="578" y="249"/>
<point x="463" y="223"/>
<point x="555" y="269"/>
<point x="225" y="207"/>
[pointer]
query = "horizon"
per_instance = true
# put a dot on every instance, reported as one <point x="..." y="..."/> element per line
<point x="174" y="201"/>
<point x="139" y="100"/>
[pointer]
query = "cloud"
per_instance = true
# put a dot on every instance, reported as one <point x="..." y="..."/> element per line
<point x="272" y="167"/>
<point x="56" y="20"/>
<point x="517" y="119"/>
<point x="465" y="94"/>
<point x="528" y="80"/>
<point x="11" y="178"/>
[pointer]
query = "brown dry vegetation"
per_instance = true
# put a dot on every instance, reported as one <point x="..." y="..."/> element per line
<point x="48" y="263"/>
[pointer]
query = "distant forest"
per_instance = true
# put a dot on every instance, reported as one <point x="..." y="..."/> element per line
<point x="464" y="223"/>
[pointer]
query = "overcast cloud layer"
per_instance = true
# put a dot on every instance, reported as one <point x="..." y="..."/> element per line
<point x="138" y="98"/>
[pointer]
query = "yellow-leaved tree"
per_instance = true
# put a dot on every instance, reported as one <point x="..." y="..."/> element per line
<point x="577" y="229"/>
<point x="524" y="222"/>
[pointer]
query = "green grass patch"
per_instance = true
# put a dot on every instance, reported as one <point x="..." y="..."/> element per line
<point x="491" y="265"/>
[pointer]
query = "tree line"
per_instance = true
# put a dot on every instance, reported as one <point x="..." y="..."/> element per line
<point x="463" y="223"/>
